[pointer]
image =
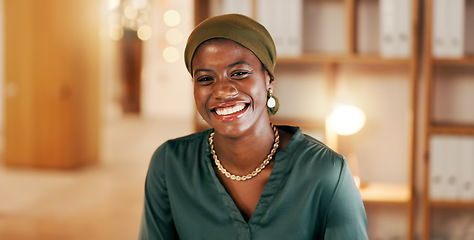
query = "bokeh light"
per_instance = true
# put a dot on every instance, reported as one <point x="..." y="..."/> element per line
<point x="171" y="54"/>
<point x="346" y="120"/>
<point x="130" y="12"/>
<point x="144" y="32"/>
<point x="114" y="4"/>
<point x="172" y="18"/>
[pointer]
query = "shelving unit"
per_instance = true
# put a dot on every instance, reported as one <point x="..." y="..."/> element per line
<point x="331" y="66"/>
<point x="443" y="127"/>
<point x="385" y="193"/>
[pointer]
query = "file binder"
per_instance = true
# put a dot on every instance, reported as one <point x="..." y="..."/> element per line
<point x="443" y="167"/>
<point x="466" y="169"/>
<point x="448" y="28"/>
<point x="437" y="177"/>
<point x="284" y="21"/>
<point x="395" y="28"/>
<point x="450" y="167"/>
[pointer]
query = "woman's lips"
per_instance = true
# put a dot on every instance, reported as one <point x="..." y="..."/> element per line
<point x="230" y="112"/>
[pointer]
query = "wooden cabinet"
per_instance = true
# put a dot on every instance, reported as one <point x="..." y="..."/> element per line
<point x="449" y="114"/>
<point x="51" y="83"/>
<point x="348" y="72"/>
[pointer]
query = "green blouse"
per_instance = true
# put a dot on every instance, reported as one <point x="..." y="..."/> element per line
<point x="310" y="194"/>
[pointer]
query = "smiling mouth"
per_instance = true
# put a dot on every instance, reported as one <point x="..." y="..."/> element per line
<point x="223" y="111"/>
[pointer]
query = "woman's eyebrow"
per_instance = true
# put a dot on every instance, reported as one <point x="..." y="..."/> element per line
<point x="238" y="63"/>
<point x="201" y="70"/>
<point x="228" y="66"/>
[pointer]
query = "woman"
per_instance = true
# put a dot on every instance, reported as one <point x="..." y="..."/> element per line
<point x="245" y="178"/>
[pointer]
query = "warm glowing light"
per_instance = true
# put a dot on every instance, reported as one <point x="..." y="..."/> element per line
<point x="174" y="36"/>
<point x="346" y="120"/>
<point x="130" y="12"/>
<point x="144" y="32"/>
<point x="113" y="4"/>
<point x="171" y="54"/>
<point x="172" y="18"/>
<point x="139" y="4"/>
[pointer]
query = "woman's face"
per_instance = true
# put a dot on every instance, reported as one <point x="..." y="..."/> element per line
<point x="230" y="87"/>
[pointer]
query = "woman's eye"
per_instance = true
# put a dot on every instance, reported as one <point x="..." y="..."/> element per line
<point x="204" y="80"/>
<point x="240" y="74"/>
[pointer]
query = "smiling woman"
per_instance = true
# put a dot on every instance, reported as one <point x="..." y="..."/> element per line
<point x="230" y="88"/>
<point x="245" y="178"/>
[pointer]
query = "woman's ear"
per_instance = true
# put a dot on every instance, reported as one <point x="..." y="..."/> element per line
<point x="269" y="80"/>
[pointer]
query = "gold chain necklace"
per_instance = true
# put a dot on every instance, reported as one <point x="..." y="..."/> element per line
<point x="257" y="170"/>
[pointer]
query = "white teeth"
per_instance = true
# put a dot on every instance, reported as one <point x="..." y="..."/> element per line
<point x="230" y="110"/>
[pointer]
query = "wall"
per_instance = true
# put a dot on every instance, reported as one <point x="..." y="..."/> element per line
<point x="2" y="88"/>
<point x="167" y="87"/>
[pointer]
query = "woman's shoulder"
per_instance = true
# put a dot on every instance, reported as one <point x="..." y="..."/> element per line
<point x="193" y="138"/>
<point x="317" y="145"/>
<point x="312" y="162"/>
<point x="320" y="153"/>
<point x="306" y="151"/>
<point x="300" y="142"/>
<point x="180" y="146"/>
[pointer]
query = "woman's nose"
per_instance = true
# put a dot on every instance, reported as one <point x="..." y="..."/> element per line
<point x="224" y="89"/>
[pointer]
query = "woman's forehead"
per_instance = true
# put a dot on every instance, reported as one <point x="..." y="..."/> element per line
<point x="225" y="49"/>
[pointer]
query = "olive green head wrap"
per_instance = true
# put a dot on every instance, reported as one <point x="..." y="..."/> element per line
<point x="238" y="28"/>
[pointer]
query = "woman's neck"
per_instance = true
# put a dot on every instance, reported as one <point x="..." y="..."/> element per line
<point x="240" y="155"/>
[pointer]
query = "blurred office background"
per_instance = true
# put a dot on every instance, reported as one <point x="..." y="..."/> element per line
<point x="90" y="88"/>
